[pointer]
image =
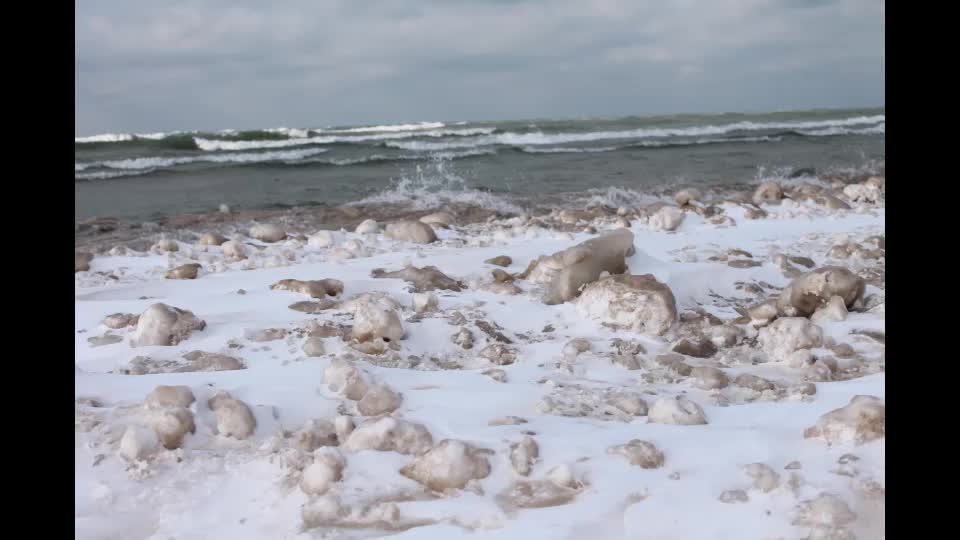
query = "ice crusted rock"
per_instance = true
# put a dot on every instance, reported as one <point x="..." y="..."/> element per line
<point x="679" y="410"/>
<point x="449" y="465"/>
<point x="184" y="271"/>
<point x="166" y="245"/>
<point x="172" y="425"/>
<point x="379" y="399"/>
<point x="753" y="382"/>
<point x="667" y="218"/>
<point x="833" y="311"/>
<point x="324" y="511"/>
<point x="211" y="238"/>
<point x="500" y="260"/>
<point x="535" y="494"/>
<point x="81" y="261"/>
<point x="814" y="289"/>
<point x="575" y="346"/>
<point x="234" y="417"/>
<point x="137" y="443"/>
<point x="463" y="338"/>
<point x="375" y="318"/>
<point x="424" y="302"/>
<point x="731" y="496"/>
<point x="367" y="226"/>
<point x="863" y="420"/>
<point x="639" y="303"/>
<point x="685" y="196"/>
<point x="564" y="273"/>
<point x="343" y="425"/>
<point x="389" y="435"/>
<point x="709" y="378"/>
<point x="524" y="454"/>
<point x="161" y="324"/>
<point x="343" y="378"/>
<point x="628" y="402"/>
<point x="428" y="278"/>
<point x="499" y="354"/>
<point x="767" y="191"/>
<point x="313" y="347"/>
<point x="320" y="288"/>
<point x="438" y="219"/>
<point x="234" y="250"/>
<point x="169" y="396"/>
<point x="641" y="453"/>
<point x="327" y="468"/>
<point x="204" y="361"/>
<point x="865" y="192"/>
<point x="764" y="478"/>
<point x="267" y="232"/>
<point x="825" y="511"/>
<point x="787" y="335"/>
<point x="411" y="231"/>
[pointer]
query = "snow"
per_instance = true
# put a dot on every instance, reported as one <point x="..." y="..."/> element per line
<point x="218" y="487"/>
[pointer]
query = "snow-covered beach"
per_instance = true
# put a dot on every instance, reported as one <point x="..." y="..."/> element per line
<point x="456" y="403"/>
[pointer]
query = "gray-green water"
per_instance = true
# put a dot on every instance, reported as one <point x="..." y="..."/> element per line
<point x="494" y="164"/>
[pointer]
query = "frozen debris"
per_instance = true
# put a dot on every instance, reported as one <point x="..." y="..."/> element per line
<point x="375" y="318"/>
<point x="313" y="346"/>
<point x="211" y="238"/>
<point x="449" y="465"/>
<point x="674" y="363"/>
<point x="81" y="261"/>
<point x="709" y="378"/>
<point x="379" y="399"/>
<point x="732" y="496"/>
<point x="767" y="192"/>
<point x="204" y="361"/>
<point x="320" y="288"/>
<point x="324" y="511"/>
<point x="428" y="278"/>
<point x="753" y="382"/>
<point x="234" y="417"/>
<point x="367" y="226"/>
<point x="117" y="321"/>
<point x="763" y="313"/>
<point x="265" y="334"/>
<point x="865" y="192"/>
<point x="826" y="511"/>
<point x="686" y="196"/>
<point x="861" y="421"/>
<point x="343" y="425"/>
<point x="234" y="249"/>
<point x="137" y="443"/>
<point x="628" y="402"/>
<point x="184" y="271"/>
<point x="161" y="324"/>
<point x="639" y="303"/>
<point x="306" y="306"/>
<point x="764" y="478"/>
<point x="524" y="454"/>
<point x="641" y="453"/>
<point x="535" y="494"/>
<point x="814" y="289"/>
<point x="169" y="396"/>
<point x="424" y="302"/>
<point x="507" y="421"/>
<point x="327" y="468"/>
<point x="343" y="378"/>
<point x="438" y="219"/>
<point x="785" y="336"/>
<point x="267" y="232"/>
<point x="314" y="434"/>
<point x="499" y="354"/>
<point x="564" y="273"/>
<point x="501" y="260"/>
<point x="667" y="218"/>
<point x="697" y="348"/>
<point x="678" y="410"/>
<point x="389" y="435"/>
<point x="108" y="339"/>
<point x="498" y="375"/>
<point x="410" y="231"/>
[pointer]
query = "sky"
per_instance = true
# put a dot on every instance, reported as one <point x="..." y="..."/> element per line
<point x="244" y="64"/>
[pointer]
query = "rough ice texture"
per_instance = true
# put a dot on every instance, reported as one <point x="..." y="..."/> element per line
<point x="379" y="399"/>
<point x="184" y="271"/>
<point x="787" y="335"/>
<point x="812" y="290"/>
<point x="373" y="319"/>
<point x="342" y="377"/>
<point x="367" y="226"/>
<point x="267" y="232"/>
<point x="234" y="417"/>
<point x="835" y="310"/>
<point x="327" y="468"/>
<point x="764" y="478"/>
<point x="313" y="347"/>
<point x="639" y="303"/>
<point x="863" y="420"/>
<point x="564" y="273"/>
<point x="234" y="250"/>
<point x="164" y="396"/>
<point x="211" y="238"/>
<point x="117" y="321"/>
<point x="767" y="192"/>
<point x="438" y="219"/>
<point x="424" y="302"/>
<point x="171" y="426"/>
<point x="667" y="218"/>
<point x="641" y="453"/>
<point x="410" y="231"/>
<point x="449" y="465"/>
<point x="322" y="239"/>
<point x="524" y="454"/>
<point x="679" y="410"/>
<point x="161" y="324"/>
<point x="709" y="378"/>
<point x="314" y="434"/>
<point x="320" y="288"/>
<point x="389" y="435"/>
<point x="685" y="196"/>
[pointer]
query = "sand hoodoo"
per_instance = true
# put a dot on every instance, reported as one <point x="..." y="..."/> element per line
<point x="565" y="272"/>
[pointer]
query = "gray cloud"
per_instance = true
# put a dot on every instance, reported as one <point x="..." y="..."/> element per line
<point x="242" y="64"/>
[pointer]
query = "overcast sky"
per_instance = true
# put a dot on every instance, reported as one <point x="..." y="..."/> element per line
<point x="216" y="64"/>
